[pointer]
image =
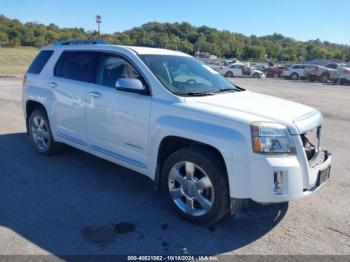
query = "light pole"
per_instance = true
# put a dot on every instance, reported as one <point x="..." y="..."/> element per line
<point x="98" y="21"/>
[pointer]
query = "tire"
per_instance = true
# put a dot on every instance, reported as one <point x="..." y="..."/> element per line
<point x="324" y="78"/>
<point x="255" y="75"/>
<point x="229" y="74"/>
<point x="342" y="81"/>
<point x="184" y="192"/>
<point x="312" y="78"/>
<point x="294" y="76"/>
<point x="40" y="133"/>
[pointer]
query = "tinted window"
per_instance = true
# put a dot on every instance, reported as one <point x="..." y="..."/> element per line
<point x="332" y="66"/>
<point x="78" y="65"/>
<point x="40" y="61"/>
<point x="112" y="68"/>
<point x="297" y="67"/>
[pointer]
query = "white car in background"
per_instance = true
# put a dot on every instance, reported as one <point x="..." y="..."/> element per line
<point x="239" y="70"/>
<point x="295" y="72"/>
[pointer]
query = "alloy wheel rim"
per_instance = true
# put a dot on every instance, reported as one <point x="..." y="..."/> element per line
<point x="191" y="188"/>
<point x="40" y="133"/>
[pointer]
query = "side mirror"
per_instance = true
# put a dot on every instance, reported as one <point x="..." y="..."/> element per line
<point x="130" y="85"/>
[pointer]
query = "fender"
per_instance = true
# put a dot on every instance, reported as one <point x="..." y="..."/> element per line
<point x="230" y="143"/>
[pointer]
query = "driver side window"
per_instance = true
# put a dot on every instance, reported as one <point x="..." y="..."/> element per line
<point x="112" y="68"/>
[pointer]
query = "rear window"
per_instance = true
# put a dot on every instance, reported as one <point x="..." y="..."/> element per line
<point x="77" y="65"/>
<point x="40" y="61"/>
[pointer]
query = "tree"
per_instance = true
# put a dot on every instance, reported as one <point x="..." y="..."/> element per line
<point x="181" y="36"/>
<point x="254" y="52"/>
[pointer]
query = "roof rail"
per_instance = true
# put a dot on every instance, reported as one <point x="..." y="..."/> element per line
<point x="80" y="42"/>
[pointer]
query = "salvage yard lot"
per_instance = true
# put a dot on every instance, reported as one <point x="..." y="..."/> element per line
<point x="75" y="203"/>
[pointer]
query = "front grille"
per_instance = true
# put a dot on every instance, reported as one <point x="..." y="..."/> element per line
<point x="311" y="143"/>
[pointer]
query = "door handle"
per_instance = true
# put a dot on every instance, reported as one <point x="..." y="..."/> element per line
<point x="53" y="84"/>
<point x="95" y="94"/>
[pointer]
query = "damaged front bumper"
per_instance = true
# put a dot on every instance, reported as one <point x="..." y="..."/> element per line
<point x="319" y="172"/>
<point x="281" y="179"/>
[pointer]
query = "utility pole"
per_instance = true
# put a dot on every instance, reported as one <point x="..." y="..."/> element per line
<point x="98" y="21"/>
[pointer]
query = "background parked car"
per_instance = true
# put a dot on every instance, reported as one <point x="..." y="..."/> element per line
<point x="276" y="71"/>
<point x="239" y="70"/>
<point x="342" y="76"/>
<point x="322" y="73"/>
<point x="296" y="71"/>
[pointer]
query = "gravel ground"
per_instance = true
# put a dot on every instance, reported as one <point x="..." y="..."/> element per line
<point x="75" y="203"/>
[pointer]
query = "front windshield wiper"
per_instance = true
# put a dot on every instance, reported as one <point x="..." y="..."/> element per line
<point x="196" y="94"/>
<point x="213" y="92"/>
<point x="224" y="89"/>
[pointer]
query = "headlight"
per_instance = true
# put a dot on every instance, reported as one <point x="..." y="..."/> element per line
<point x="271" y="138"/>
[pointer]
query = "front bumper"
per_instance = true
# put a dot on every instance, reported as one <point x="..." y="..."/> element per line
<point x="257" y="180"/>
<point x="287" y="182"/>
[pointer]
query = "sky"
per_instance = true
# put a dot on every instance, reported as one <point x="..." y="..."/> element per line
<point x="327" y="20"/>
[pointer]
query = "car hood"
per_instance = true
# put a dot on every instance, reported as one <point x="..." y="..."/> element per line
<point x="297" y="117"/>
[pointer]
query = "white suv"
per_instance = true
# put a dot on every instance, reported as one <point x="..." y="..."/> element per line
<point x="210" y="145"/>
<point x="296" y="72"/>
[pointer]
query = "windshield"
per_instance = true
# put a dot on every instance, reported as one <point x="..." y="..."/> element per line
<point x="183" y="75"/>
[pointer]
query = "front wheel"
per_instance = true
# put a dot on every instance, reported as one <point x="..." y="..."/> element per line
<point x="255" y="75"/>
<point x="294" y="76"/>
<point x="195" y="184"/>
<point x="229" y="74"/>
<point x="324" y="78"/>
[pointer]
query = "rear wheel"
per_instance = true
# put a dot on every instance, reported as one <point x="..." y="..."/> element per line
<point x="40" y="133"/>
<point x="195" y="184"/>
<point x="229" y="74"/>
<point x="255" y="75"/>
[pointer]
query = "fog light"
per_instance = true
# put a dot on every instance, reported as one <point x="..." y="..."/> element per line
<point x="278" y="185"/>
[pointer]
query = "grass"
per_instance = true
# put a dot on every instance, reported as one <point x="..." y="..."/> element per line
<point x="15" y="61"/>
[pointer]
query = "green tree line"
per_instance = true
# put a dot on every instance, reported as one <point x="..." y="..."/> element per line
<point x="179" y="36"/>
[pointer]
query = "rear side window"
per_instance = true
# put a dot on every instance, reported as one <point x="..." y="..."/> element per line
<point x="78" y="65"/>
<point x="40" y="61"/>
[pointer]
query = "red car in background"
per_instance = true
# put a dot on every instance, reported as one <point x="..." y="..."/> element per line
<point x="276" y="71"/>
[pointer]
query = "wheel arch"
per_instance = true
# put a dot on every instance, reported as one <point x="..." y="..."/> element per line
<point x="30" y="106"/>
<point x="170" y="144"/>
